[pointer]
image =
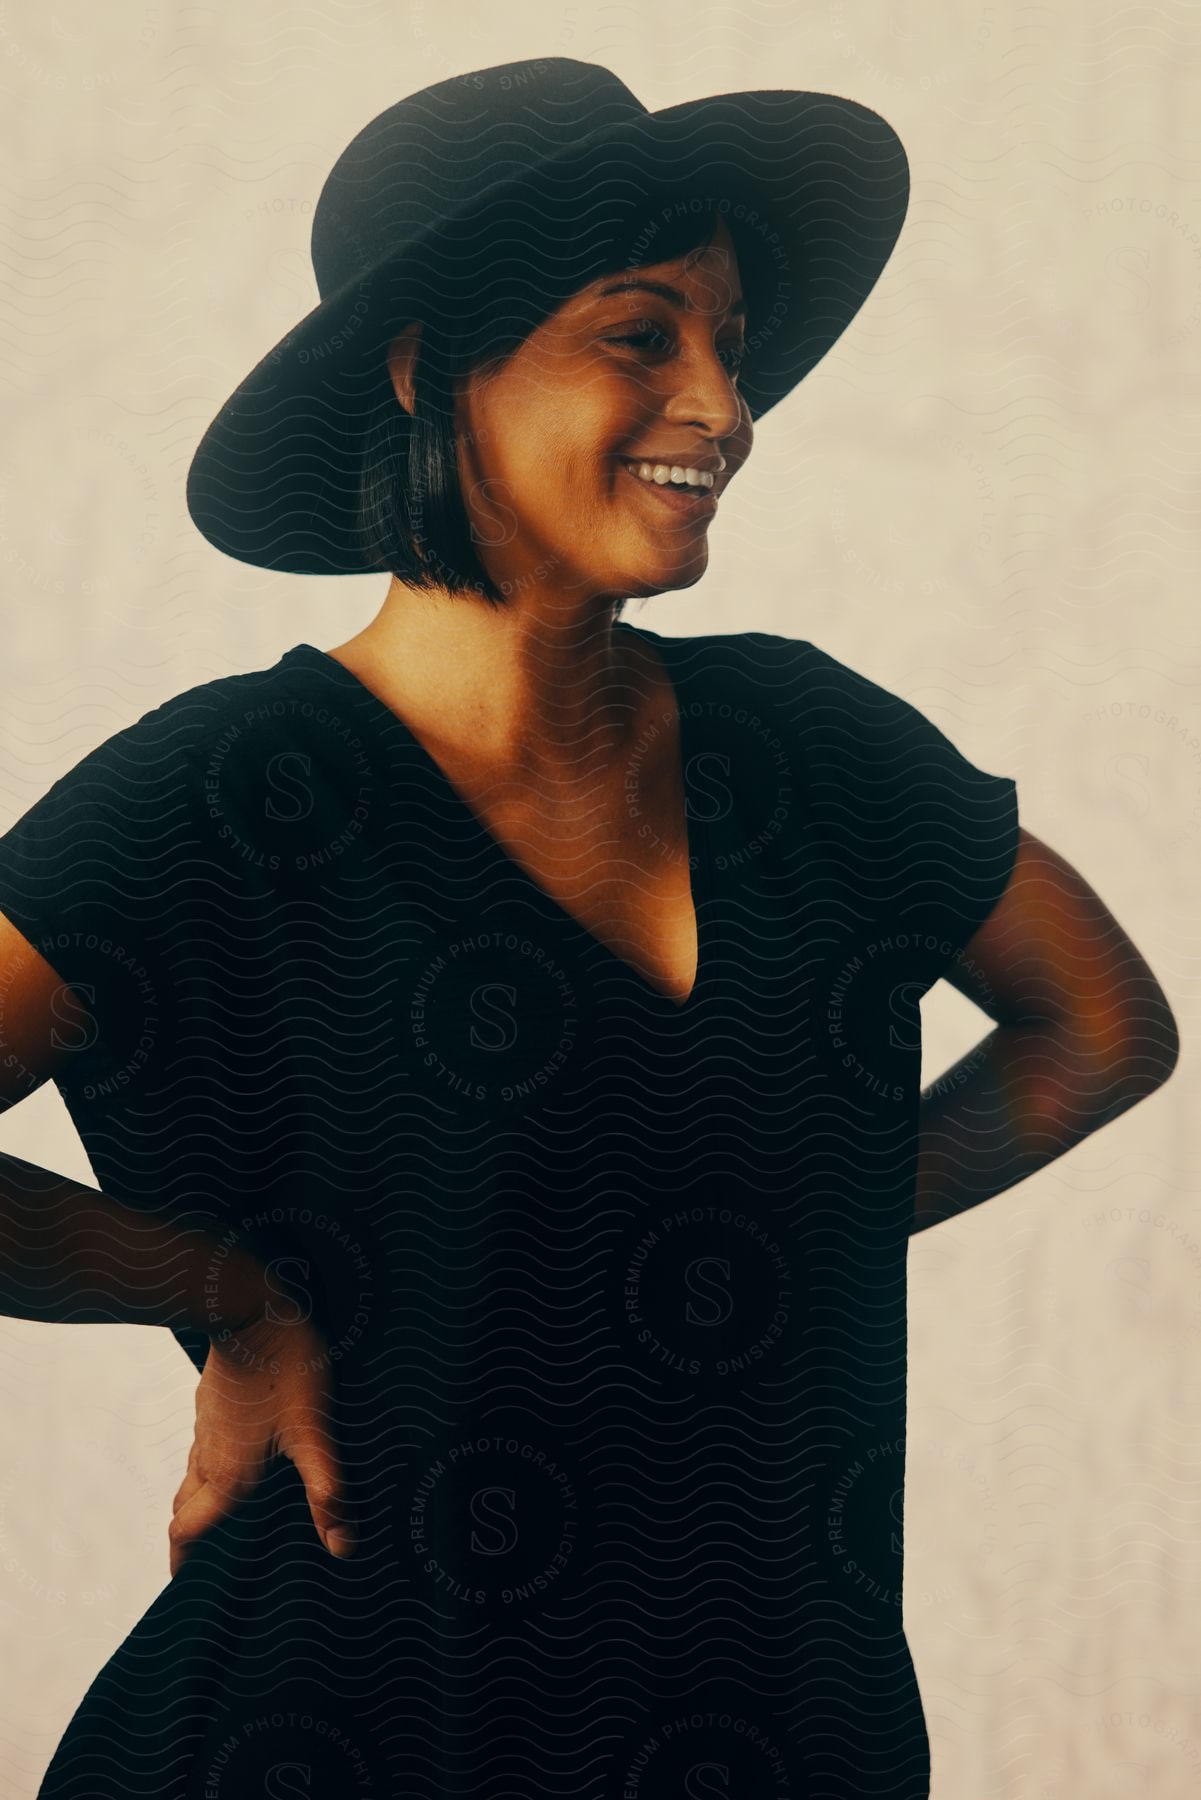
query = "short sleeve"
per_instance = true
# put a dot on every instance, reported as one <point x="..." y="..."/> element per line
<point x="927" y="838"/>
<point x="956" y="841"/>
<point x="85" y="873"/>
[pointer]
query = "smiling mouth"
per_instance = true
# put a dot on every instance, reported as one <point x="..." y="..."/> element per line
<point x="699" y="502"/>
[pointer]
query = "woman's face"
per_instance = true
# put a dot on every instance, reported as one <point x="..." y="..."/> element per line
<point x="617" y="374"/>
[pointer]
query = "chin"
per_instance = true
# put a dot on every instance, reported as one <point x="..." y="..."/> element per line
<point x="688" y="577"/>
<point x="668" y="581"/>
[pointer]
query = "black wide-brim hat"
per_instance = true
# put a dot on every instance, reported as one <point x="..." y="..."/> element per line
<point x="526" y="178"/>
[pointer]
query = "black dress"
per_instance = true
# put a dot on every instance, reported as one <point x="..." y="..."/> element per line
<point x="614" y="1287"/>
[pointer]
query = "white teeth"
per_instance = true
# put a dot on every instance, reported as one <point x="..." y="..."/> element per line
<point x="662" y="473"/>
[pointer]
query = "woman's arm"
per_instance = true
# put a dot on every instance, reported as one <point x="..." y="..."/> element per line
<point x="71" y="1254"/>
<point x="1084" y="1031"/>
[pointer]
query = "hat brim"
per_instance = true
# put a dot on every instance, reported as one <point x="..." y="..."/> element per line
<point x="816" y="184"/>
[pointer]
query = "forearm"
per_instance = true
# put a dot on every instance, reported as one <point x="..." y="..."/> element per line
<point x="1020" y="1098"/>
<point x="70" y="1254"/>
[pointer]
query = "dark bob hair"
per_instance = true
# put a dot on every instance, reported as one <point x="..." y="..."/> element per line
<point x="412" y="519"/>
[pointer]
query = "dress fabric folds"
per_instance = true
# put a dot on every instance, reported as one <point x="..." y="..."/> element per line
<point x="614" y="1287"/>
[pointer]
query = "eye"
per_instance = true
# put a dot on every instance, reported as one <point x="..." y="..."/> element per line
<point x="641" y="339"/>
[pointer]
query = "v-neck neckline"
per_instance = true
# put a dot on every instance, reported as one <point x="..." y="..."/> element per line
<point x="696" y="835"/>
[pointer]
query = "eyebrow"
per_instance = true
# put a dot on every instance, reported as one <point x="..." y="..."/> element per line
<point x="664" y="292"/>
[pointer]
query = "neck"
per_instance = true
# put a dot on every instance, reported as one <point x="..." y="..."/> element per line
<point x="521" y="686"/>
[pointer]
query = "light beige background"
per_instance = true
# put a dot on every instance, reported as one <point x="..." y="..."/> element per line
<point x="985" y="499"/>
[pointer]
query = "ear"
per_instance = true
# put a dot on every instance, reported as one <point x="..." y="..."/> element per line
<point x="402" y="359"/>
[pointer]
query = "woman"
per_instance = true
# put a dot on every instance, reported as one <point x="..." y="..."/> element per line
<point x="498" y="1035"/>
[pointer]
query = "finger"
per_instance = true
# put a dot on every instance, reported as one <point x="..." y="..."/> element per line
<point x="218" y="1466"/>
<point x="191" y="1484"/>
<point x="309" y="1447"/>
<point x="198" y="1515"/>
<point x="213" y="1498"/>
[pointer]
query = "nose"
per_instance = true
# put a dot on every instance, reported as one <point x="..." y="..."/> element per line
<point x="702" y="393"/>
